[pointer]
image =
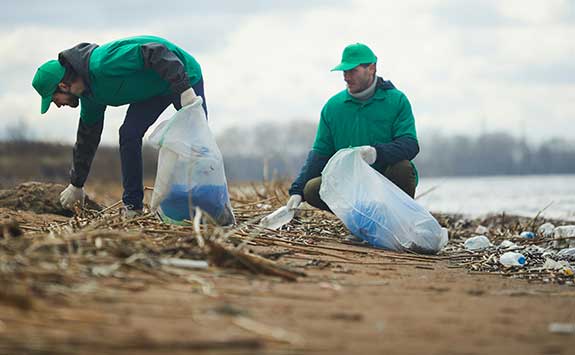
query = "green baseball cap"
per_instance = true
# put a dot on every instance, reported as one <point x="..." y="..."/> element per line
<point x="354" y="55"/>
<point x="46" y="81"/>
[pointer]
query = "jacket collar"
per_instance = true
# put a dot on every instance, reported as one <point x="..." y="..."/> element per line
<point x="380" y="92"/>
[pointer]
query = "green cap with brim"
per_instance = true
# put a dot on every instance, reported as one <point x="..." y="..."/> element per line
<point x="354" y="55"/>
<point x="46" y="81"/>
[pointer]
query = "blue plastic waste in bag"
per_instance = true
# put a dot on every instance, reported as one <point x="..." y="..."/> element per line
<point x="376" y="210"/>
<point x="180" y="203"/>
<point x="190" y="169"/>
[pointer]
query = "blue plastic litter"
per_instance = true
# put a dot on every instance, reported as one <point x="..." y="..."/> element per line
<point x="527" y="235"/>
<point x="366" y="221"/>
<point x="210" y="198"/>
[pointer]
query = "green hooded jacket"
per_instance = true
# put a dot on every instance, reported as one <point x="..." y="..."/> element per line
<point x="128" y="71"/>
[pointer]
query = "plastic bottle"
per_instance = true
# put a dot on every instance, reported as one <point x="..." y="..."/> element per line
<point x="512" y="259"/>
<point x="278" y="218"/>
<point x="477" y="243"/>
<point x="527" y="235"/>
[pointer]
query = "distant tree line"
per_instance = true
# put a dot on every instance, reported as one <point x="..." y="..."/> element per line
<point x="277" y="150"/>
<point x="493" y="154"/>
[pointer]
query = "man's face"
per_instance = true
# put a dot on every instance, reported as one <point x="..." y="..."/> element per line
<point x="359" y="78"/>
<point x="64" y="97"/>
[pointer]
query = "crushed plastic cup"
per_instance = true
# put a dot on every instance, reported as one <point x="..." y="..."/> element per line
<point x="479" y="242"/>
<point x="512" y="259"/>
<point x="551" y="264"/>
<point x="546" y="229"/>
<point x="278" y="218"/>
<point x="527" y="235"/>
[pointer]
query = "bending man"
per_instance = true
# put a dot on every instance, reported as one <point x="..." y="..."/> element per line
<point x="148" y="73"/>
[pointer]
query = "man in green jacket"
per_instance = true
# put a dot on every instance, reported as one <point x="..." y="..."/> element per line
<point x="148" y="73"/>
<point x="371" y="114"/>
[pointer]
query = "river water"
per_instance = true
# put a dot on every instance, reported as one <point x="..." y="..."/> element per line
<point x="520" y="195"/>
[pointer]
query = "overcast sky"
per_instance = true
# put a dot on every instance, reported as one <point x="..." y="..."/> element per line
<point x="466" y="66"/>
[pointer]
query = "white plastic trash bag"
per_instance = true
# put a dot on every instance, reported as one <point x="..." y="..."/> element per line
<point x="190" y="169"/>
<point x="376" y="210"/>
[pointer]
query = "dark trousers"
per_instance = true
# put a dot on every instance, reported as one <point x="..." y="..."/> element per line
<point x="401" y="174"/>
<point x="139" y="118"/>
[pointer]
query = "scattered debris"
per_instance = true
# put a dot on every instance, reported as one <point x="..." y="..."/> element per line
<point x="103" y="244"/>
<point x="184" y="263"/>
<point x="479" y="242"/>
<point x="534" y="258"/>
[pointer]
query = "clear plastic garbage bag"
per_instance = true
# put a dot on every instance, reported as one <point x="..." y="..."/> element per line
<point x="375" y="209"/>
<point x="190" y="169"/>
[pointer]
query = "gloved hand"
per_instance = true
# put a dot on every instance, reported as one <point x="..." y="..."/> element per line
<point x="368" y="154"/>
<point x="188" y="97"/>
<point x="293" y="202"/>
<point x="71" y="195"/>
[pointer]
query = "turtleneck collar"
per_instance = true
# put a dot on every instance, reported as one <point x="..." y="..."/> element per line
<point x="367" y="93"/>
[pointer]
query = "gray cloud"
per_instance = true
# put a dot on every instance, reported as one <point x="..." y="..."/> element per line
<point x="197" y="26"/>
<point x="133" y="12"/>
<point x="550" y="73"/>
<point x="470" y="13"/>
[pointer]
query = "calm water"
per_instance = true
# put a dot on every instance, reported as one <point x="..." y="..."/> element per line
<point x="520" y="195"/>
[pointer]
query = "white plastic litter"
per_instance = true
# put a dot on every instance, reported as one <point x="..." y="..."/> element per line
<point x="512" y="259"/>
<point x="507" y="244"/>
<point x="481" y="230"/>
<point x="562" y="232"/>
<point x="546" y="229"/>
<point x="478" y="242"/>
<point x="562" y="328"/>
<point x="190" y="169"/>
<point x="184" y="263"/>
<point x="376" y="210"/>
<point x="278" y="218"/>
<point x="551" y="264"/>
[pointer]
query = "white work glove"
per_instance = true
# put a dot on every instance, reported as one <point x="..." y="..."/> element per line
<point x="293" y="202"/>
<point x="71" y="195"/>
<point x="368" y="154"/>
<point x="188" y="97"/>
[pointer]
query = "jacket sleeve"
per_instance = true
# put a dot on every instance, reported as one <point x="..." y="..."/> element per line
<point x="160" y="59"/>
<point x="404" y="145"/>
<point x="402" y="148"/>
<point x="87" y="141"/>
<point x="312" y="168"/>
